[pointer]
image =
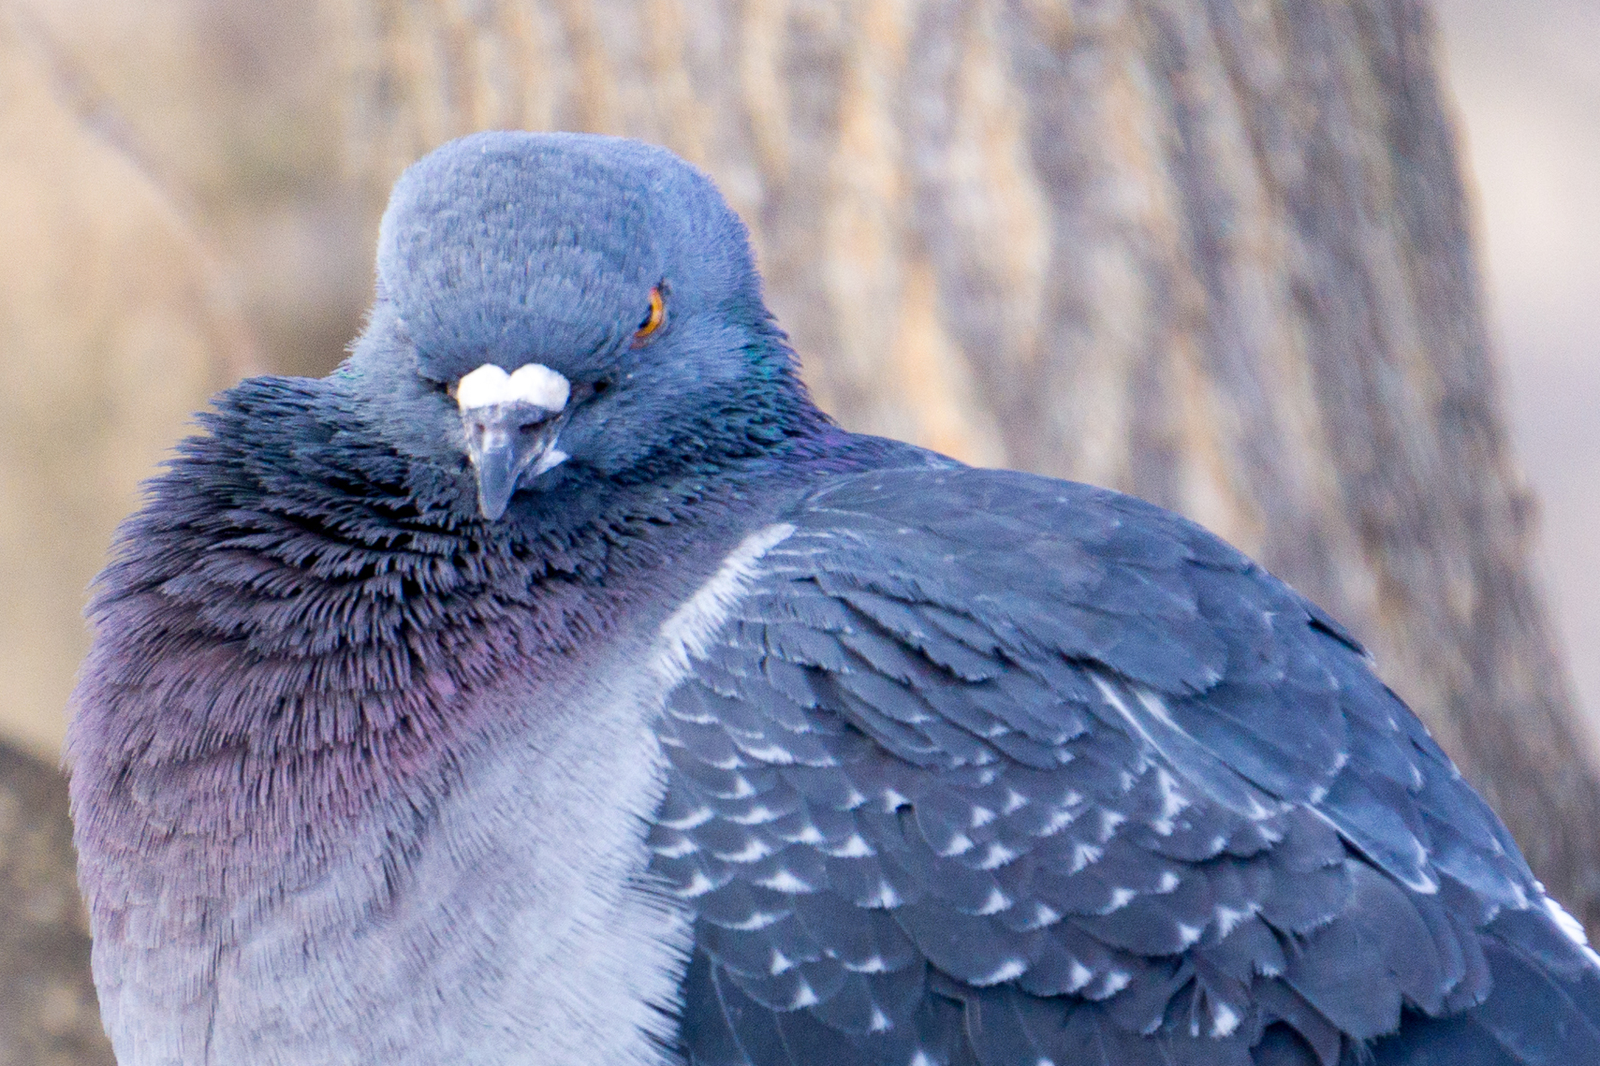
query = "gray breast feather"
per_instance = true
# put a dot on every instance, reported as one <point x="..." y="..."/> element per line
<point x="990" y="768"/>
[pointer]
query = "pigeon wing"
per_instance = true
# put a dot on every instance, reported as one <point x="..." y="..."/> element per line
<point x="992" y="768"/>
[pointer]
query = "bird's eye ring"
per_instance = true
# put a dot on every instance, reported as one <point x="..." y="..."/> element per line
<point x="653" y="318"/>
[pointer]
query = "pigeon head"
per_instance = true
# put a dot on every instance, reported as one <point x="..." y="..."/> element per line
<point x="552" y="306"/>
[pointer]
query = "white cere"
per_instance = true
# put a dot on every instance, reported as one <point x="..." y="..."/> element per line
<point x="535" y="383"/>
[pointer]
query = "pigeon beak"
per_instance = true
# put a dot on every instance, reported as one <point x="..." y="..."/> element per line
<point x="506" y="441"/>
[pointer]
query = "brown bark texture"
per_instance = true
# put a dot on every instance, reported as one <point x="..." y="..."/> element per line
<point x="1217" y="253"/>
<point x="112" y="332"/>
<point x="48" y="1015"/>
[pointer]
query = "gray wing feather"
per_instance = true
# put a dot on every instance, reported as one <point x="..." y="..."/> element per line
<point x="988" y="768"/>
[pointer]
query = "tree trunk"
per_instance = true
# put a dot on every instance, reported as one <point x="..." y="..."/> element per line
<point x="47" y="1004"/>
<point x="1213" y="252"/>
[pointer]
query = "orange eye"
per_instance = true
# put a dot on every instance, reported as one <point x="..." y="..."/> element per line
<point x="653" y="320"/>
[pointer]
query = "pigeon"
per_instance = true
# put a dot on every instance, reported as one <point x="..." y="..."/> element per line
<point x="554" y="683"/>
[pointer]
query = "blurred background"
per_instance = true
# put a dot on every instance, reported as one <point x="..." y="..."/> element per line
<point x="189" y="192"/>
<point x="235" y="129"/>
<point x="1526" y="80"/>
